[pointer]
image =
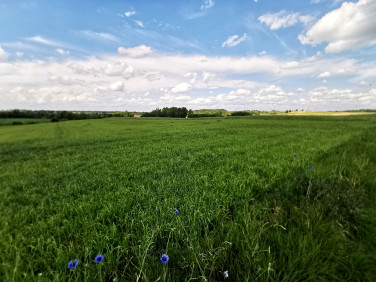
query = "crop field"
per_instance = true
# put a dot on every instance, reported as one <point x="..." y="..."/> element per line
<point x="227" y="199"/>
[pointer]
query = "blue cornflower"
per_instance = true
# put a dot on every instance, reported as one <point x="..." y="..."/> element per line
<point x="164" y="258"/>
<point x="295" y="155"/>
<point x="176" y="211"/>
<point x="72" y="264"/>
<point x="99" y="258"/>
<point x="311" y="166"/>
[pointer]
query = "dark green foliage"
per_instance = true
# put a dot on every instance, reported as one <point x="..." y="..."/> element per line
<point x="169" y="112"/>
<point x="60" y="115"/>
<point x="241" y="113"/>
<point x="17" y="123"/>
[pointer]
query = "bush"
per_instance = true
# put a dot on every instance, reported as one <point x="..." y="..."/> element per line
<point x="241" y="113"/>
<point x="17" y="123"/>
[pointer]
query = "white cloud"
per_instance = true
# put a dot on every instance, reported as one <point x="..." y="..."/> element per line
<point x="121" y="81"/>
<point x="62" y="51"/>
<point x="129" y="13"/>
<point x="325" y="74"/>
<point x="117" y="86"/>
<point x="207" y="76"/>
<point x="19" y="54"/>
<point x="263" y="52"/>
<point x="282" y="19"/>
<point x="320" y="1"/>
<point x="234" y="40"/>
<point x="119" y="69"/>
<point x="42" y="40"/>
<point x="182" y="87"/>
<point x="349" y="27"/>
<point x="192" y="76"/>
<point x="139" y="23"/>
<point x="137" y="51"/>
<point x="3" y="55"/>
<point x="207" y="4"/>
<point x="99" y="35"/>
<point x="153" y="76"/>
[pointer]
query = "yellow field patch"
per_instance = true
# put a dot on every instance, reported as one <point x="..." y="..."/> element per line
<point x="306" y="113"/>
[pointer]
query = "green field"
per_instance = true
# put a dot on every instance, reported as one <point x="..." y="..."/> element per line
<point x="247" y="205"/>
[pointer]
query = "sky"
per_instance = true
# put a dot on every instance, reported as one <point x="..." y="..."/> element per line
<point x="113" y="55"/>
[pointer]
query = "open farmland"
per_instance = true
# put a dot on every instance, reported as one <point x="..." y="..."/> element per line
<point x="247" y="204"/>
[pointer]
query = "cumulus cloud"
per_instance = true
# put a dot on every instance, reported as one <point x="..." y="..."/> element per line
<point x="121" y="81"/>
<point x="207" y="76"/>
<point x="282" y="19"/>
<point x="234" y="40"/>
<point x="207" y="4"/>
<point x="153" y="76"/>
<point x="182" y="87"/>
<point x="349" y="27"/>
<point x="341" y="98"/>
<point x="117" y="86"/>
<point x="129" y="13"/>
<point x="119" y="69"/>
<point x="137" y="51"/>
<point x="3" y="55"/>
<point x="62" y="51"/>
<point x="139" y="23"/>
<point x="325" y="74"/>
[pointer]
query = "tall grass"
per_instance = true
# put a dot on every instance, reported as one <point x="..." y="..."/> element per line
<point x="246" y="204"/>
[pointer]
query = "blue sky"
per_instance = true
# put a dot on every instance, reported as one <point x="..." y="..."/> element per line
<point x="139" y="55"/>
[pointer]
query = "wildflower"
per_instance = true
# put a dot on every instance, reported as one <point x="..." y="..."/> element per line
<point x="99" y="258"/>
<point x="72" y="264"/>
<point x="225" y="274"/>
<point x="311" y="166"/>
<point x="295" y="155"/>
<point x="176" y="211"/>
<point x="164" y="258"/>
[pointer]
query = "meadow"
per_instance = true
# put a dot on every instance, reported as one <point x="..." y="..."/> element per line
<point x="262" y="198"/>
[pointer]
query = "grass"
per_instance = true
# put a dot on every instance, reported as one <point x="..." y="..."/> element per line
<point x="246" y="204"/>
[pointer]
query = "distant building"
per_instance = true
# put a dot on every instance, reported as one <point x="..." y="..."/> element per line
<point x="137" y="116"/>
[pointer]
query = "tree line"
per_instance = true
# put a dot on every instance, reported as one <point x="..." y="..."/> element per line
<point x="53" y="115"/>
<point x="169" y="112"/>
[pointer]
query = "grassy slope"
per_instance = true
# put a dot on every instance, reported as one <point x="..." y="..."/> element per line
<point x="247" y="205"/>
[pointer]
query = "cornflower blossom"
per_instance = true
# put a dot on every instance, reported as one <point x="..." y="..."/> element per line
<point x="164" y="258"/>
<point x="72" y="264"/>
<point x="99" y="258"/>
